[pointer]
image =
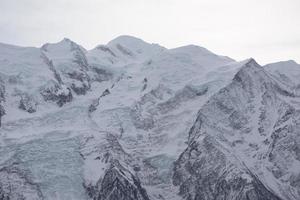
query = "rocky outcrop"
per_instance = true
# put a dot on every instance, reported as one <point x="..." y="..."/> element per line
<point x="118" y="183"/>
<point x="101" y="74"/>
<point x="187" y="93"/>
<point x="2" y="113"/>
<point x="96" y="102"/>
<point x="15" y="185"/>
<point x="54" y="92"/>
<point x="204" y="171"/>
<point x="72" y="70"/>
<point x="80" y="83"/>
<point x="118" y="179"/>
<point x="79" y="55"/>
<point x="27" y="103"/>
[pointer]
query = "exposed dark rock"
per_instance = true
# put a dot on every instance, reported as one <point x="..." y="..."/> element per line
<point x="124" y="50"/>
<point x="118" y="183"/>
<point x="102" y="74"/>
<point x="144" y="84"/>
<point x="80" y="90"/>
<point x="2" y="113"/>
<point x="94" y="105"/>
<point x="27" y="103"/>
<point x="204" y="172"/>
<point x="106" y="92"/>
<point x="106" y="49"/>
<point x="2" y="99"/>
<point x="183" y="95"/>
<point x="82" y="82"/>
<point x="208" y="170"/>
<point x="49" y="63"/>
<point x="56" y="93"/>
<point x="79" y="55"/>
<point x="96" y="102"/>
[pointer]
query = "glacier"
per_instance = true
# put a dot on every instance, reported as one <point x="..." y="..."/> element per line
<point x="132" y="120"/>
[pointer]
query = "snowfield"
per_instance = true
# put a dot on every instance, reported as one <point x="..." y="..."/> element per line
<point x="136" y="121"/>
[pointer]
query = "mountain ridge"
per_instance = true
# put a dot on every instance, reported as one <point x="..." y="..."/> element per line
<point x="133" y="120"/>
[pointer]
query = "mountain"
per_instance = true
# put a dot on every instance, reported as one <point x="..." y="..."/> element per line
<point x="136" y="121"/>
<point x="244" y="142"/>
<point x="285" y="71"/>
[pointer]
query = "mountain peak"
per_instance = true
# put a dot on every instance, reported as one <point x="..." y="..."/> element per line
<point x="252" y="72"/>
<point x="127" y="40"/>
<point x="115" y="120"/>
<point x="251" y="62"/>
<point x="65" y="44"/>
<point x="66" y="40"/>
<point x="191" y="48"/>
<point x="132" y="47"/>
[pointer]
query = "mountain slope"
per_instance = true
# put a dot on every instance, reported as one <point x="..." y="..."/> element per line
<point x="115" y="122"/>
<point x="285" y="71"/>
<point x="247" y="132"/>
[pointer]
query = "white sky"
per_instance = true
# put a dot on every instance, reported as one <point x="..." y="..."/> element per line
<point x="267" y="30"/>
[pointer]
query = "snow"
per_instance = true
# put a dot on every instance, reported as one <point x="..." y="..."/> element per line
<point x="170" y="69"/>
<point x="60" y="146"/>
<point x="285" y="71"/>
<point x="136" y="47"/>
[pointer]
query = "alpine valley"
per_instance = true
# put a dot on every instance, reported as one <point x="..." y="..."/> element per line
<point x="131" y="120"/>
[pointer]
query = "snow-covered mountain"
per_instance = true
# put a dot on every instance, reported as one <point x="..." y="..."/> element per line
<point x="136" y="121"/>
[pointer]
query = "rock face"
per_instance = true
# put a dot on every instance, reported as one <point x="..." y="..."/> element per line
<point x="204" y="172"/>
<point x="52" y="91"/>
<point x="119" y="183"/>
<point x="72" y="68"/>
<point x="131" y="120"/>
<point x="237" y="139"/>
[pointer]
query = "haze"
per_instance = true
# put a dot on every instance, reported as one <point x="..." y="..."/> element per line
<point x="267" y="30"/>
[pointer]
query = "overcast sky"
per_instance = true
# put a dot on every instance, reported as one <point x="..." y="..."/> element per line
<point x="267" y="30"/>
